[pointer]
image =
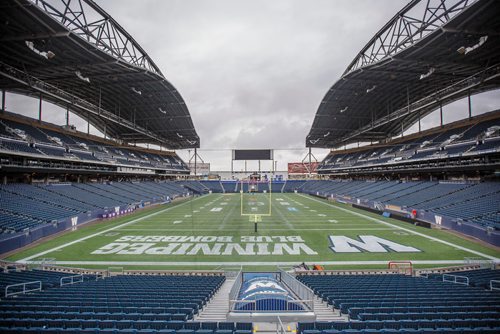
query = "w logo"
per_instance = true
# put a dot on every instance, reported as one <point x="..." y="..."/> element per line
<point x="74" y="221"/>
<point x="438" y="219"/>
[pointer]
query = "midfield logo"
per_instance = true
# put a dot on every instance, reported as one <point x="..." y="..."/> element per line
<point x="367" y="243"/>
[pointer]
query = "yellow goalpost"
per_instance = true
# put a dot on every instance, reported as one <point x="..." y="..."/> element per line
<point x="257" y="196"/>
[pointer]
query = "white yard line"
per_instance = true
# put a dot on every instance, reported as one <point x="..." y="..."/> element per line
<point x="251" y="227"/>
<point x="260" y="263"/>
<point x="404" y="229"/>
<point x="104" y="231"/>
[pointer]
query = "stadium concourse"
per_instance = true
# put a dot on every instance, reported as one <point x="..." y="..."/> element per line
<point x="397" y="234"/>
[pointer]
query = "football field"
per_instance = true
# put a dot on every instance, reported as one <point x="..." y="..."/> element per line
<point x="219" y="229"/>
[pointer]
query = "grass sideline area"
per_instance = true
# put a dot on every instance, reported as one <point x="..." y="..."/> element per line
<point x="209" y="231"/>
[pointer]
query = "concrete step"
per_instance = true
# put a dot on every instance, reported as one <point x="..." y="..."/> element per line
<point x="325" y="312"/>
<point x="218" y="307"/>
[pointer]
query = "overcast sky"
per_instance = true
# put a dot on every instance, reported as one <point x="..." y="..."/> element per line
<point x="252" y="72"/>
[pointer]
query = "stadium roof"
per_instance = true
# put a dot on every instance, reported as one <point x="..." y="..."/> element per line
<point x="75" y="55"/>
<point x="431" y="53"/>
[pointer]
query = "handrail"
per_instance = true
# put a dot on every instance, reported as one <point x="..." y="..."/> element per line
<point x="71" y="279"/>
<point x="298" y="288"/>
<point x="454" y="279"/>
<point x="39" y="288"/>
<point x="290" y="305"/>
<point x="235" y="289"/>
<point x="491" y="285"/>
<point x="280" y="328"/>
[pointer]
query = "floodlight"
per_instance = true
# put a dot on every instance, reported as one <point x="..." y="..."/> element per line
<point x="370" y="89"/>
<point x="161" y="110"/>
<point x="136" y="91"/>
<point x="465" y="50"/>
<point x="345" y="109"/>
<point x="81" y="77"/>
<point x="47" y="55"/>
<point x="429" y="73"/>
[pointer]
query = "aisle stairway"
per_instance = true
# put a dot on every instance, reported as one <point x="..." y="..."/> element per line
<point x="325" y="312"/>
<point x="218" y="307"/>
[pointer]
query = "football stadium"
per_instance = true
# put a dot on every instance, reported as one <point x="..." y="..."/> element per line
<point x="396" y="229"/>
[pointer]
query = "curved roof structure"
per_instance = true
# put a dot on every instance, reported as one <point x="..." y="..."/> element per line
<point x="429" y="54"/>
<point x="75" y="55"/>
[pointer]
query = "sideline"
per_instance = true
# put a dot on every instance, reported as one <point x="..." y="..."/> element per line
<point x="403" y="229"/>
<point x="26" y="260"/>
<point x="219" y="263"/>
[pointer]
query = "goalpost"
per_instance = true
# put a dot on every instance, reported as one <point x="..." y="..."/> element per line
<point x="255" y="200"/>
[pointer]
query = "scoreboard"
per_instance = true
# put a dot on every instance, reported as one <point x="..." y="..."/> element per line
<point x="252" y="154"/>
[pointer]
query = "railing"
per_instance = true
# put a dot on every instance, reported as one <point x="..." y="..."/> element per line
<point x="464" y="280"/>
<point x="24" y="288"/>
<point x="111" y="271"/>
<point x="304" y="293"/>
<point x="270" y="305"/>
<point x="233" y="293"/>
<point x="230" y="272"/>
<point x="72" y="280"/>
<point x="493" y="283"/>
<point x="280" y="328"/>
<point x="477" y="261"/>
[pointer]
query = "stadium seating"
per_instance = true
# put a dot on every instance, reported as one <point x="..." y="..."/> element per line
<point x="479" y="278"/>
<point x="128" y="304"/>
<point x="454" y="141"/>
<point x="22" y="137"/>
<point x="477" y="203"/>
<point x="214" y="185"/>
<point x="194" y="186"/>
<point x="26" y="206"/>
<point x="402" y="304"/>
<point x="48" y="279"/>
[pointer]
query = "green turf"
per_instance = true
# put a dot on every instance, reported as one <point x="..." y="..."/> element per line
<point x="220" y="215"/>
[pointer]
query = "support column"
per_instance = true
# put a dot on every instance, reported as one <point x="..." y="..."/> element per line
<point x="245" y="166"/>
<point x="441" y="113"/>
<point x="419" y="123"/>
<point x="259" y="166"/>
<point x="310" y="155"/>
<point x="88" y="123"/>
<point x="40" y="108"/>
<point x="67" y="115"/>
<point x="195" y="162"/>
<point x="470" y="104"/>
<point x="3" y="100"/>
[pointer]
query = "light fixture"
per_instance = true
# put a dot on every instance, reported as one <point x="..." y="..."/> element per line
<point x="326" y="134"/>
<point x="370" y="89"/>
<point x="179" y="135"/>
<point x="313" y="141"/>
<point x="81" y="77"/>
<point x="191" y="142"/>
<point x="136" y="91"/>
<point x="161" y="110"/>
<point x="344" y="110"/>
<point x="429" y="73"/>
<point x="465" y="50"/>
<point x="47" y="55"/>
